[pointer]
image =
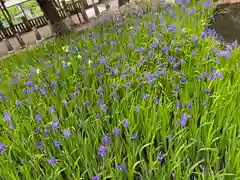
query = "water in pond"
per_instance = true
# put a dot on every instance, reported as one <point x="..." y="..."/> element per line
<point x="227" y="21"/>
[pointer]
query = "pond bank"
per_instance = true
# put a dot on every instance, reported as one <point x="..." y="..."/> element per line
<point x="226" y="20"/>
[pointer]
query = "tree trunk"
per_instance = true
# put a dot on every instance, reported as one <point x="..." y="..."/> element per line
<point x="122" y="2"/>
<point x="52" y="15"/>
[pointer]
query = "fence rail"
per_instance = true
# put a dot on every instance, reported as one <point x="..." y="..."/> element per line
<point x="40" y="21"/>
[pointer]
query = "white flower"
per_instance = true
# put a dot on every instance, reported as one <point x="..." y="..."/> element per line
<point x="65" y="48"/>
<point x="89" y="62"/>
<point x="170" y="1"/>
<point x="79" y="56"/>
<point x="184" y="30"/>
<point x="37" y="71"/>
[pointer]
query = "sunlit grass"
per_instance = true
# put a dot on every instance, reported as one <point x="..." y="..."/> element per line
<point x="153" y="96"/>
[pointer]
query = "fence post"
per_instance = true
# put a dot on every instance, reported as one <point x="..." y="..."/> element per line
<point x="85" y="3"/>
<point x="107" y="6"/>
<point x="37" y="34"/>
<point x="96" y="10"/>
<point x="26" y="22"/>
<point x="70" y="21"/>
<point x="8" y="45"/>
<point x="69" y="16"/>
<point x="76" y="10"/>
<point x="51" y="28"/>
<point x="20" y="40"/>
<point x="84" y="13"/>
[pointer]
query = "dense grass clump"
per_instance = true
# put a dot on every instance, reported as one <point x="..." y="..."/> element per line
<point x="154" y="96"/>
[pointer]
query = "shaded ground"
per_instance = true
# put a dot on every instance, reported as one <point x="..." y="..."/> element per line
<point x="227" y="20"/>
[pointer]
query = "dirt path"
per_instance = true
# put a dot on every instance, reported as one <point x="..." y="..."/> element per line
<point x="231" y="1"/>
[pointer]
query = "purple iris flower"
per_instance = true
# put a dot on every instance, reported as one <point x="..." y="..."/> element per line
<point x="122" y="167"/>
<point x="160" y="158"/>
<point x="66" y="133"/>
<point x="125" y="123"/>
<point x="183" y="120"/>
<point x="115" y="131"/>
<point x="101" y="151"/>
<point x="51" y="160"/>
<point x="148" y="77"/>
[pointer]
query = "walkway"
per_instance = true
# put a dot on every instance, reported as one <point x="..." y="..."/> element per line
<point x="231" y="1"/>
<point x="29" y="37"/>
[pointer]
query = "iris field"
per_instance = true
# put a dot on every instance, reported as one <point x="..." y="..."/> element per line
<point x="151" y="96"/>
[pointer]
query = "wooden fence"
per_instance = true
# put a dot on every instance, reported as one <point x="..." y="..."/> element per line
<point x="40" y="21"/>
